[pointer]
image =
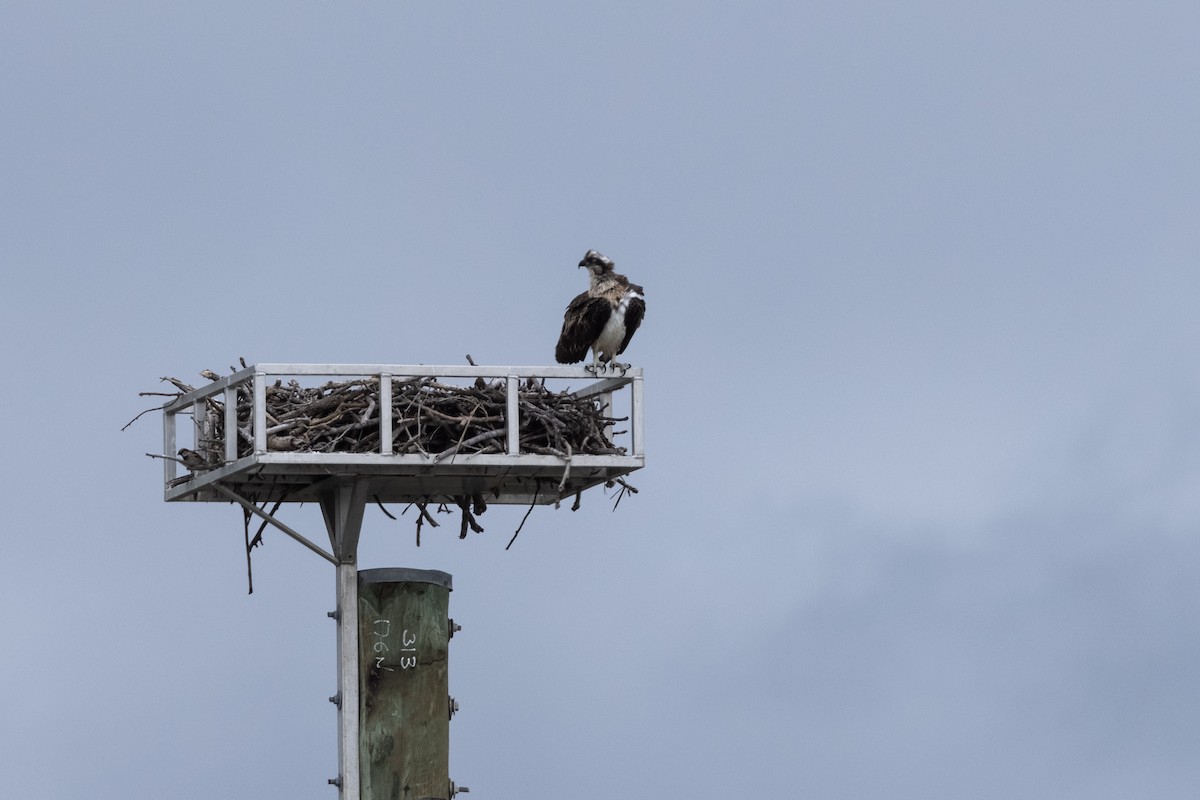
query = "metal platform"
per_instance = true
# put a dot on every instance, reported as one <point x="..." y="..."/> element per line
<point x="508" y="477"/>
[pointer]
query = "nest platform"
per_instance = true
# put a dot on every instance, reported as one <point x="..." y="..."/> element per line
<point x="290" y="432"/>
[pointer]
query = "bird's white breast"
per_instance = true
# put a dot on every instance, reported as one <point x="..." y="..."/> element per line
<point x="614" y="328"/>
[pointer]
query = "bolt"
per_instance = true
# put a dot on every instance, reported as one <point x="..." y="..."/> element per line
<point x="453" y="707"/>
<point x="335" y="782"/>
<point x="456" y="789"/>
<point x="333" y="615"/>
<point x="336" y="699"/>
<point x="454" y="627"/>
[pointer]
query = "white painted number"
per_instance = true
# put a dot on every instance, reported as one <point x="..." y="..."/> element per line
<point x="408" y="645"/>
<point x="380" y="629"/>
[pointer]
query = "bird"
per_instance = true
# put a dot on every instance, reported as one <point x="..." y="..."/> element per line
<point x="193" y="460"/>
<point x="603" y="319"/>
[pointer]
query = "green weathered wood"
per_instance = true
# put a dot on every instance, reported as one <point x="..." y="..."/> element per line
<point x="404" y="723"/>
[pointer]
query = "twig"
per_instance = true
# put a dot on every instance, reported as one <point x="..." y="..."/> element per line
<point x="257" y="540"/>
<point x="167" y="458"/>
<point x="379" y="503"/>
<point x="139" y="416"/>
<point x="468" y="519"/>
<point x="184" y="388"/>
<point x="566" y="472"/>
<point x="466" y="427"/>
<point x="249" y="566"/>
<point x="474" y="440"/>
<point x="625" y="489"/>
<point x="422" y="518"/>
<point x="537" y="488"/>
<point x="370" y="410"/>
<point x="433" y="523"/>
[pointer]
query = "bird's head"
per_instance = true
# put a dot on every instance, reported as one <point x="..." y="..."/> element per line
<point x="596" y="262"/>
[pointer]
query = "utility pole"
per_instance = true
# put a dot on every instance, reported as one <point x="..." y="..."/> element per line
<point x="404" y="699"/>
<point x="393" y="624"/>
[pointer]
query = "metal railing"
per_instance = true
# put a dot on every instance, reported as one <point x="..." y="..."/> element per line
<point x="253" y="381"/>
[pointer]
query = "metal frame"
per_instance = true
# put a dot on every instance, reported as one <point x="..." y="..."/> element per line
<point x="510" y="477"/>
<point x="342" y="506"/>
<point x="343" y="482"/>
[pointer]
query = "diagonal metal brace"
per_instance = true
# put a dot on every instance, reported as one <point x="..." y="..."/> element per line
<point x="254" y="509"/>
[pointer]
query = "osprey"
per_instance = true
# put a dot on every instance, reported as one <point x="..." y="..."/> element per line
<point x="602" y="319"/>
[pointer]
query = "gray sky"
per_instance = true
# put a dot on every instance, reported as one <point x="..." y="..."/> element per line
<point x="919" y="516"/>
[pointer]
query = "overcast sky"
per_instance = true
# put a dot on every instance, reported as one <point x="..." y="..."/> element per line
<point x="919" y="517"/>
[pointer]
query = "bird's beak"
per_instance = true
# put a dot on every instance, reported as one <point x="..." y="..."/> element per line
<point x="583" y="263"/>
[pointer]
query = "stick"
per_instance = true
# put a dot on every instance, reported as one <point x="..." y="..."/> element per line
<point x="166" y="458"/>
<point x="537" y="488"/>
<point x="257" y="540"/>
<point x="381" y="508"/>
<point x="566" y="472"/>
<point x="474" y="440"/>
<point x="468" y="520"/>
<point x="625" y="489"/>
<point x="246" y="534"/>
<point x="139" y="416"/>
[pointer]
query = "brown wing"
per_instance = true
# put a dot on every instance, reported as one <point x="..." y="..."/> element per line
<point x="582" y="323"/>
<point x="633" y="317"/>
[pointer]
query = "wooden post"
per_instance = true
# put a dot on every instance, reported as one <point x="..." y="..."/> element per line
<point x="404" y="701"/>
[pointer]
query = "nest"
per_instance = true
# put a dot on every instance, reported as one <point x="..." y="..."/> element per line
<point x="428" y="418"/>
